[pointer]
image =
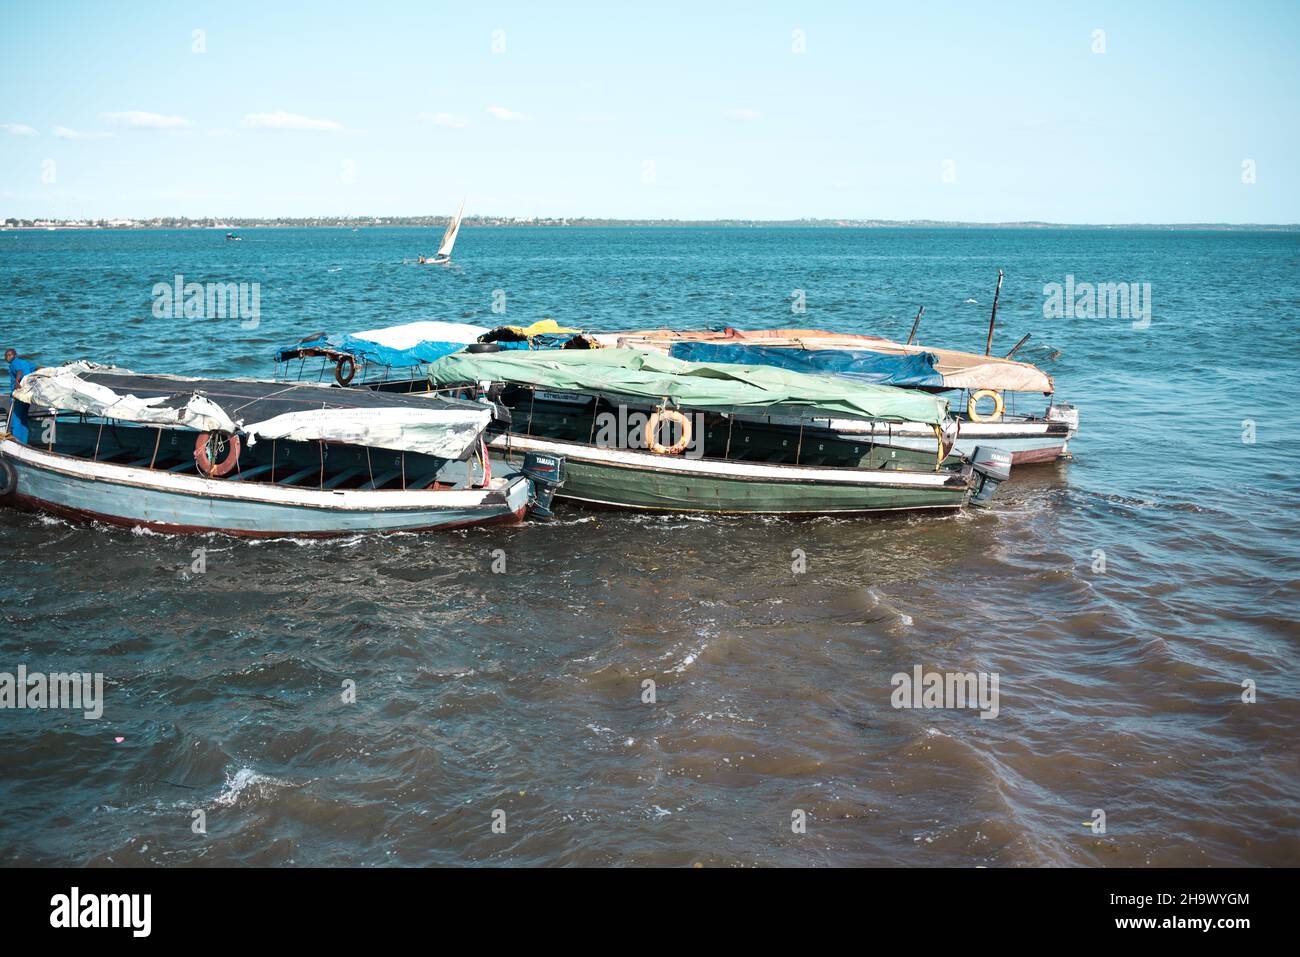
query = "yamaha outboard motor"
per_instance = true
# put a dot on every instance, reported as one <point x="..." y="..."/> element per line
<point x="546" y="472"/>
<point x="990" y="468"/>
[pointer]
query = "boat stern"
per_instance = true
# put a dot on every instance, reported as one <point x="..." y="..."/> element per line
<point x="989" y="467"/>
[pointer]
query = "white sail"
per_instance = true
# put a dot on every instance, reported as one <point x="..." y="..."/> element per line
<point x="449" y="237"/>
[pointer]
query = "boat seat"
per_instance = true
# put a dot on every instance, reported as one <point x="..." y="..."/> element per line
<point x="382" y="479"/>
<point x="422" y="483"/>
<point x="79" y="452"/>
<point x="336" y="480"/>
<point x="116" y="454"/>
<point x="247" y="474"/>
<point x="299" y="475"/>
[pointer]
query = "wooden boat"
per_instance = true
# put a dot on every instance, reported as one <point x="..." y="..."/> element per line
<point x="1035" y="436"/>
<point x="747" y="457"/>
<point x="374" y="356"/>
<point x="250" y="458"/>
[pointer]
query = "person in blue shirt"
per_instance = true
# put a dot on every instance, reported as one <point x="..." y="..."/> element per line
<point x="18" y="417"/>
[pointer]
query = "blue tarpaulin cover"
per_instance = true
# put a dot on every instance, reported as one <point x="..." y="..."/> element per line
<point x="915" y="370"/>
<point x="397" y="346"/>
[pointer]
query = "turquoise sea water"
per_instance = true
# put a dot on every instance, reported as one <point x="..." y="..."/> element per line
<point x="522" y="692"/>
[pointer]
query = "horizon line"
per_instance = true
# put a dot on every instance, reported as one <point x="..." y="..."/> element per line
<point x="497" y="220"/>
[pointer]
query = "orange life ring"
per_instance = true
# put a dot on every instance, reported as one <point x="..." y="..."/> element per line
<point x="339" y="377"/>
<point x="652" y="432"/>
<point x="206" y="465"/>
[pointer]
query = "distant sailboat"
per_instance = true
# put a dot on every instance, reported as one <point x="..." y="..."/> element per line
<point x="443" y="256"/>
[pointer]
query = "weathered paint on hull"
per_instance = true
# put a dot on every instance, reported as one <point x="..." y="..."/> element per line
<point x="604" y="485"/>
<point x="116" y="496"/>
<point x="660" y="489"/>
<point x="1024" y="451"/>
<point x="1026" y="447"/>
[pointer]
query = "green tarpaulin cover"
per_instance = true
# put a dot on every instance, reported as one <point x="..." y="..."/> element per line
<point x="713" y="386"/>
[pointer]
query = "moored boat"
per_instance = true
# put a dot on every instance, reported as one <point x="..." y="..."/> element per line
<point x="973" y="380"/>
<point x="391" y="356"/>
<point x="250" y="458"/>
<point x="738" y="447"/>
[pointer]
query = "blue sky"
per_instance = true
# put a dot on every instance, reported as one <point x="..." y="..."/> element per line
<point x="978" y="112"/>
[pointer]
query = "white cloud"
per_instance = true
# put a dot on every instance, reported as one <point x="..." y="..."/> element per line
<point x="501" y="113"/>
<point x="17" y="129"/>
<point x="140" y="120"/>
<point x="63" y="133"/>
<point x="450" y="120"/>
<point x="745" y="115"/>
<point x="289" y="121"/>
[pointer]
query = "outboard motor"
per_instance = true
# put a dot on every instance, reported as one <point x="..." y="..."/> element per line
<point x="990" y="468"/>
<point x="546" y="472"/>
<point x="1066" y="414"/>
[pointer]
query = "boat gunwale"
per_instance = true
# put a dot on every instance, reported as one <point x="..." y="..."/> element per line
<point x="736" y="471"/>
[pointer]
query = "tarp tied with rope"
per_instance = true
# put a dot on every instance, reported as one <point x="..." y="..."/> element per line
<point x="631" y="373"/>
<point x="303" y="412"/>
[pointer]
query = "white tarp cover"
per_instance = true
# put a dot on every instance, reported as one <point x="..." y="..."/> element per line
<point x="62" y="388"/>
<point x="444" y="432"/>
<point x="409" y="430"/>
<point x="413" y="333"/>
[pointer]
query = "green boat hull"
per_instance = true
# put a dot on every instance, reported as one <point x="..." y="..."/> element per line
<point x="663" y="489"/>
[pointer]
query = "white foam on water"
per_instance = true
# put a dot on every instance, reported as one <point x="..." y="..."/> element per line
<point x="244" y="779"/>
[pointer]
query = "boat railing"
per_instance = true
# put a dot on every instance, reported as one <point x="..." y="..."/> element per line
<point x="368" y="375"/>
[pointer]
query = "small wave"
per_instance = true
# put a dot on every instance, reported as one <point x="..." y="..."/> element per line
<point x="247" y="780"/>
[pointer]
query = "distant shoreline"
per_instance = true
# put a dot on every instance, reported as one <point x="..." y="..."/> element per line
<point x="420" y="222"/>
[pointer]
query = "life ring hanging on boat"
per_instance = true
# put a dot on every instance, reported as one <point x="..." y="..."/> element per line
<point x="652" y="432"/>
<point x="998" y="406"/>
<point x="203" y="459"/>
<point x="339" y="376"/>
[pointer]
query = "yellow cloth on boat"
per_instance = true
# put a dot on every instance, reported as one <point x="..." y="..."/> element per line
<point x="543" y="327"/>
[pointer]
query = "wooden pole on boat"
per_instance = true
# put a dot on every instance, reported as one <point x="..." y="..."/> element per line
<point x="912" y="335"/>
<point x="1017" y="346"/>
<point x="988" y="346"/>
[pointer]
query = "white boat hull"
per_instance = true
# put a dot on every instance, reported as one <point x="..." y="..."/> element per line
<point x="166" y="502"/>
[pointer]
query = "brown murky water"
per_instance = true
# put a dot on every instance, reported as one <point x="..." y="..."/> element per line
<point x="522" y="692"/>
